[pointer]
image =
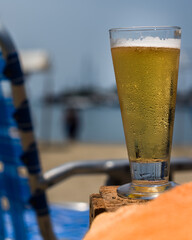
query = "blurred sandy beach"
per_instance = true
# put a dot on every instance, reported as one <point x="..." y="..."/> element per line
<point x="78" y="188"/>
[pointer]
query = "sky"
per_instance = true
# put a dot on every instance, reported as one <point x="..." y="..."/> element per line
<point x="75" y="35"/>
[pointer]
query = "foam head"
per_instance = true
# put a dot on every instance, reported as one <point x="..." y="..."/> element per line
<point x="146" y="42"/>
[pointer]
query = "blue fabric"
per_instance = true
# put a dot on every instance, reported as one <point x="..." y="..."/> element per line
<point x="19" y="222"/>
<point x="68" y="224"/>
<point x="13" y="187"/>
<point x="7" y="110"/>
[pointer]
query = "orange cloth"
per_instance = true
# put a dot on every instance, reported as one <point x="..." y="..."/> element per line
<point x="168" y="217"/>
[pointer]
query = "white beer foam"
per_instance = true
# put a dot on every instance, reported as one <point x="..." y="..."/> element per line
<point x="146" y="42"/>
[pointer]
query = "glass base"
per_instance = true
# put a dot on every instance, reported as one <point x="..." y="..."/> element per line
<point x="145" y="192"/>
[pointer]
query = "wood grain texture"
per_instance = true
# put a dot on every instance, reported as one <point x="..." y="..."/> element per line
<point x="108" y="201"/>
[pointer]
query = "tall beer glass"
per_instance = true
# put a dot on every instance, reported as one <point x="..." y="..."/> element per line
<point x="146" y="63"/>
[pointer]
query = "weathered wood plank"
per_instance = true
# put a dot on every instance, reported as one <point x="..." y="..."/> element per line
<point x="108" y="201"/>
<point x="96" y="206"/>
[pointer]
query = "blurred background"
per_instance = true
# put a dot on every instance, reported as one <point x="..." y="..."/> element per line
<point x="64" y="46"/>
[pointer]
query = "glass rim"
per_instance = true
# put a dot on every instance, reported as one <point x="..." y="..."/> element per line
<point x="144" y="28"/>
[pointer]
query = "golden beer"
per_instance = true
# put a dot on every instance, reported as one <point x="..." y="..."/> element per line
<point x="146" y="62"/>
<point x="147" y="83"/>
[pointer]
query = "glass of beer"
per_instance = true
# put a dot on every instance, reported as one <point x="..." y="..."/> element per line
<point x="146" y="63"/>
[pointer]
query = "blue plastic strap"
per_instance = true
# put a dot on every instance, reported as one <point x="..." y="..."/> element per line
<point x="7" y="109"/>
<point x="13" y="69"/>
<point x="17" y="216"/>
<point x="2" y="225"/>
<point x="31" y="160"/>
<point x="23" y="117"/>
<point x="39" y="203"/>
